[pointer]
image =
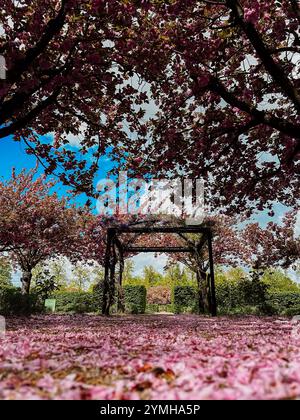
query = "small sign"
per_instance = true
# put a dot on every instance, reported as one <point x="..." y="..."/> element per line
<point x="2" y="325"/>
<point x="50" y="305"/>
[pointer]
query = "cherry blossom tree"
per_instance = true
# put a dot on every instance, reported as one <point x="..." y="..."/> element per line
<point x="65" y="76"/>
<point x="35" y="225"/>
<point x="273" y="246"/>
<point x="226" y="87"/>
<point x="220" y="79"/>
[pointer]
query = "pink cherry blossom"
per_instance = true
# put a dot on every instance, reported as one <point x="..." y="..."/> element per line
<point x="149" y="357"/>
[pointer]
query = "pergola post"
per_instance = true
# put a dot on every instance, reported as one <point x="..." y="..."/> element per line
<point x="115" y="246"/>
<point x="212" y="277"/>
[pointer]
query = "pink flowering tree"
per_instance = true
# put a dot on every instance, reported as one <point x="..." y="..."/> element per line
<point x="221" y="78"/>
<point x="226" y="85"/>
<point x="65" y="71"/>
<point x="273" y="246"/>
<point x="35" y="225"/>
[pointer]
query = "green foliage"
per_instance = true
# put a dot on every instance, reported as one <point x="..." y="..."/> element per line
<point x="153" y="308"/>
<point x="13" y="302"/>
<point x="5" y="273"/>
<point x="55" y="269"/>
<point x="285" y="303"/>
<point x="81" y="278"/>
<point x="98" y="294"/>
<point x="152" y="277"/>
<point x="45" y="284"/>
<point x="228" y="292"/>
<point x="238" y="293"/>
<point x="128" y="272"/>
<point x="76" y="302"/>
<point x="135" y="299"/>
<point x="278" y="281"/>
<point x="58" y="271"/>
<point x="176" y="275"/>
<point x="184" y="299"/>
<point x="292" y="311"/>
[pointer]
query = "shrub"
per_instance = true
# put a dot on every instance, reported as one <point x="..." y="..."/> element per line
<point x="285" y="303"/>
<point x="228" y="295"/>
<point x="77" y="302"/>
<point x="295" y="310"/>
<point x="151" y="308"/>
<point x="159" y="295"/>
<point x="184" y="299"/>
<point x="45" y="284"/>
<point x="135" y="299"/>
<point x="98" y="295"/>
<point x="13" y="302"/>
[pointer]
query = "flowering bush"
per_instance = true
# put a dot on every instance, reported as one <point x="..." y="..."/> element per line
<point x="149" y="357"/>
<point x="159" y="295"/>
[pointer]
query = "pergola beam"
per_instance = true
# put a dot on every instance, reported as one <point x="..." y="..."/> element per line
<point x="162" y="229"/>
<point x="157" y="249"/>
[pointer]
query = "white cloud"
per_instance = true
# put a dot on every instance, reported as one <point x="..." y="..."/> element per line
<point x="145" y="259"/>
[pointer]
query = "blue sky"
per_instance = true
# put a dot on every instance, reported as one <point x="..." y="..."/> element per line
<point x="13" y="155"/>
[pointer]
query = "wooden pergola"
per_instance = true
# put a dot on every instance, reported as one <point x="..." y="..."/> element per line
<point x="116" y="249"/>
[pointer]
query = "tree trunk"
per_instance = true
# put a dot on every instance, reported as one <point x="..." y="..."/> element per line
<point x="200" y="298"/>
<point x="26" y="282"/>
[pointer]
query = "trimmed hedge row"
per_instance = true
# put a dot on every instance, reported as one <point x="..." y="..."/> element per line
<point x="78" y="302"/>
<point x="232" y="299"/>
<point x="135" y="299"/>
<point x="285" y="303"/>
<point x="13" y="302"/>
<point x="244" y="298"/>
<point x="184" y="299"/>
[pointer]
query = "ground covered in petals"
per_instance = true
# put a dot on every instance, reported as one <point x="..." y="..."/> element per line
<point x="149" y="357"/>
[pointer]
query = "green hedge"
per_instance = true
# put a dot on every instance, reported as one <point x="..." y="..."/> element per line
<point x="285" y="303"/>
<point x="13" y="302"/>
<point x="155" y="307"/>
<point x="84" y="302"/>
<point x="135" y="299"/>
<point x="245" y="297"/>
<point x="78" y="302"/>
<point x="184" y="299"/>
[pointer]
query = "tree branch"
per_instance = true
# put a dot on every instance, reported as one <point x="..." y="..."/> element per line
<point x="24" y="121"/>
<point x="275" y="70"/>
<point x="261" y="117"/>
<point x="52" y="28"/>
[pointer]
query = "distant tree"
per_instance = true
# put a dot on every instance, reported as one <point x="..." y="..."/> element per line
<point x="81" y="278"/>
<point x="128" y="271"/>
<point x="278" y="281"/>
<point x="5" y="272"/>
<point x="45" y="284"/>
<point x="58" y="271"/>
<point x="55" y="268"/>
<point x="151" y="276"/>
<point x="178" y="275"/>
